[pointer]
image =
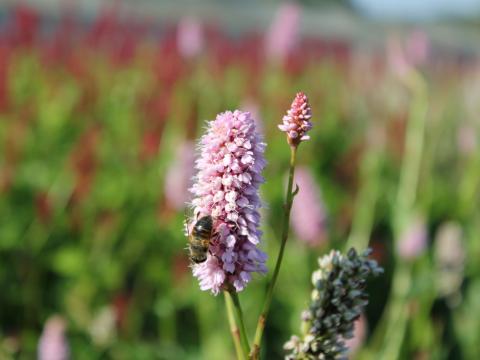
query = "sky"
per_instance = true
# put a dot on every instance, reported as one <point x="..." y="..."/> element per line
<point x="418" y="9"/>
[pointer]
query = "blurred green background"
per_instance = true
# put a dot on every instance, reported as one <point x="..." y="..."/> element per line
<point x="99" y="109"/>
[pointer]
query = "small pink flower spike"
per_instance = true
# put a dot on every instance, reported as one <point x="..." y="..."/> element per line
<point x="297" y="121"/>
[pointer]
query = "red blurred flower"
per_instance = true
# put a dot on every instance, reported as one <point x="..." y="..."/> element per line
<point x="43" y="207"/>
<point x="84" y="161"/>
<point x="25" y="25"/>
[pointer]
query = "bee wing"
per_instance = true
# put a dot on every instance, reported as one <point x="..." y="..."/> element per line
<point x="186" y="229"/>
<point x="189" y="220"/>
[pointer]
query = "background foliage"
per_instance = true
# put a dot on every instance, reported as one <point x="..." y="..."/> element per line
<point x="91" y="119"/>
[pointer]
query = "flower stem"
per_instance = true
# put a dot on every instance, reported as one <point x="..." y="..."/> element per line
<point x="366" y="201"/>
<point x="286" y="225"/>
<point x="239" y="320"/>
<point x="393" y="324"/>
<point x="410" y="171"/>
<point x="398" y="314"/>
<point x="241" y="352"/>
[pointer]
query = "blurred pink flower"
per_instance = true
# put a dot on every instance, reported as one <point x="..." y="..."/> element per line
<point x="282" y="34"/>
<point x="359" y="336"/>
<point x="417" y="48"/>
<point x="413" y="240"/>
<point x="179" y="176"/>
<point x="53" y="344"/>
<point x="226" y="187"/>
<point x="404" y="56"/>
<point x="252" y="107"/>
<point x="190" y="40"/>
<point x="308" y="212"/>
<point x="467" y="139"/>
<point x="297" y="121"/>
<point x="397" y="58"/>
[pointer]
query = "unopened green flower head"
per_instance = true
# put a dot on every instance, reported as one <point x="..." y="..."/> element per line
<point x="338" y="298"/>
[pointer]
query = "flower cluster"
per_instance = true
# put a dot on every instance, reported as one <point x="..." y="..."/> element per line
<point x="226" y="187"/>
<point x="297" y="121"/>
<point x="338" y="299"/>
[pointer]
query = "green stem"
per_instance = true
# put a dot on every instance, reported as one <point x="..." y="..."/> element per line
<point x="412" y="158"/>
<point x="393" y="325"/>
<point x="240" y="351"/>
<point x="366" y="201"/>
<point x="239" y="320"/>
<point x="398" y="314"/>
<point x="286" y="226"/>
<point x="468" y="188"/>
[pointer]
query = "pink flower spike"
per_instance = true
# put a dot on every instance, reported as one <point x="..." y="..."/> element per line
<point x="297" y="121"/>
<point x="226" y="187"/>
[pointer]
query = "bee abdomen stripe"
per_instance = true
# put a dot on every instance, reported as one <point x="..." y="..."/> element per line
<point x="199" y="259"/>
<point x="202" y="233"/>
<point x="198" y="247"/>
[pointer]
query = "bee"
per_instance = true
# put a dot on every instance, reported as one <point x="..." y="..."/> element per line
<point x="199" y="239"/>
